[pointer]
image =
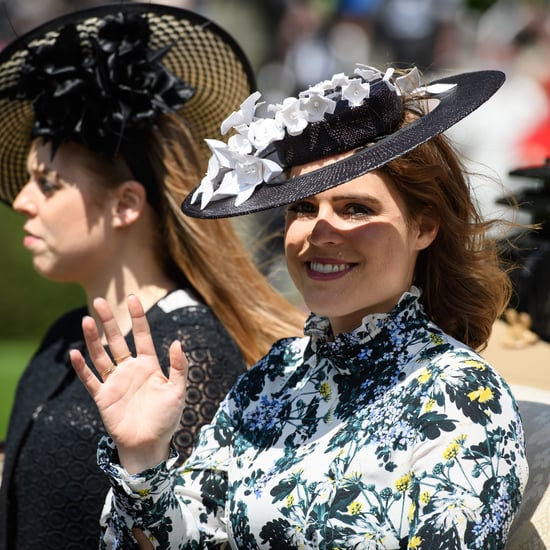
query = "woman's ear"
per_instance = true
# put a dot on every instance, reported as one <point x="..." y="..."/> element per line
<point x="130" y="201"/>
<point x="428" y="227"/>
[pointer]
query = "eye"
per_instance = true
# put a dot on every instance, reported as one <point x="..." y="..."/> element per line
<point x="46" y="184"/>
<point x="357" y="210"/>
<point x="302" y="208"/>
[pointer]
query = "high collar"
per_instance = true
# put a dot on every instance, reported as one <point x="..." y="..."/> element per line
<point x="380" y="340"/>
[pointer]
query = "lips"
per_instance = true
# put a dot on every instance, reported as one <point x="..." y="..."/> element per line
<point x="30" y="239"/>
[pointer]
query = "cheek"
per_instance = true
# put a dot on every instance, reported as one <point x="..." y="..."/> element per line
<point x="76" y="220"/>
<point x="385" y="244"/>
<point x="294" y="244"/>
<point x="291" y="253"/>
<point x="294" y="236"/>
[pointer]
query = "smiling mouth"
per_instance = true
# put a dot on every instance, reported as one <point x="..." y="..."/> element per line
<point x="318" y="267"/>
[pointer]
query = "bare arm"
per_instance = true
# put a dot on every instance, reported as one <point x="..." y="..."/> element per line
<point x="140" y="407"/>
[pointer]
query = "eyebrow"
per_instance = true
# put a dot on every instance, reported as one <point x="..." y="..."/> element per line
<point x="357" y="197"/>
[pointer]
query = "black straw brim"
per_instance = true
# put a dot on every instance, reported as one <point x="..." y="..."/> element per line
<point x="470" y="91"/>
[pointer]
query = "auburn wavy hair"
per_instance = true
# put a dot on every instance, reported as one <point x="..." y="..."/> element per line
<point x="464" y="281"/>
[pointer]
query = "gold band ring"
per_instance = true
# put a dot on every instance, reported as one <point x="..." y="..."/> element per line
<point x="120" y="359"/>
<point x="108" y="371"/>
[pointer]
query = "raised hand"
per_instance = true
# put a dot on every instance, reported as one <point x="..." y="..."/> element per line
<point x="140" y="407"/>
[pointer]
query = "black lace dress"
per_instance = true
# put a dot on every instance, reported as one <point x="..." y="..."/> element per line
<point x="52" y="490"/>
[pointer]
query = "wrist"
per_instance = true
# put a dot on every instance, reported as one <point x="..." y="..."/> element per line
<point x="136" y="460"/>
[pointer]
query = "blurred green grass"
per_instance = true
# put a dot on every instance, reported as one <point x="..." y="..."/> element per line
<point x="14" y="356"/>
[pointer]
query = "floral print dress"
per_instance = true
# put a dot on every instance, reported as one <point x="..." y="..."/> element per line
<point x="393" y="436"/>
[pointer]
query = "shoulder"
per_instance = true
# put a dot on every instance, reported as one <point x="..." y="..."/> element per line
<point x="181" y="316"/>
<point x="67" y="327"/>
<point x="456" y="364"/>
<point x="272" y="371"/>
<point x="463" y="378"/>
<point x="181" y="309"/>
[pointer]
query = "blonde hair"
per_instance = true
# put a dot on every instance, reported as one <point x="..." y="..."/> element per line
<point x="209" y="254"/>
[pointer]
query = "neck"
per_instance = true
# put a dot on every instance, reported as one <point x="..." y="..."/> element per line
<point x="116" y="290"/>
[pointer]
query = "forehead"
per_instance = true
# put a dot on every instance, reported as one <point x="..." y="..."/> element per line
<point x="371" y="184"/>
<point x="42" y="151"/>
<point x="72" y="162"/>
<point x="316" y="164"/>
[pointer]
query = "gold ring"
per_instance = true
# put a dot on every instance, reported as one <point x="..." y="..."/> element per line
<point x="108" y="371"/>
<point x="120" y="359"/>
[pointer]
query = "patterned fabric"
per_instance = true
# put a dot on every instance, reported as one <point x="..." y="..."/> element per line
<point x="392" y="436"/>
<point x="52" y="490"/>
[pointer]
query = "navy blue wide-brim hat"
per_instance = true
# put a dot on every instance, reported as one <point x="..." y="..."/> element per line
<point x="101" y="76"/>
<point x="362" y="113"/>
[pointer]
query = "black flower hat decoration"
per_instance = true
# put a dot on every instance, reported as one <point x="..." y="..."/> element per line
<point x="103" y="97"/>
<point x="102" y="76"/>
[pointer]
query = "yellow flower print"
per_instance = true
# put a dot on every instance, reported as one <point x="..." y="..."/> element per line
<point x="429" y="405"/>
<point x="402" y="484"/>
<point x="475" y="364"/>
<point x="412" y="510"/>
<point x="424" y="376"/>
<point x="460" y="439"/>
<point x="451" y="451"/>
<point x="425" y="497"/>
<point x="355" y="508"/>
<point x="354" y="476"/>
<point x="289" y="501"/>
<point x="436" y="339"/>
<point x="324" y="390"/>
<point x="415" y="542"/>
<point x="481" y="394"/>
<point x="144" y="493"/>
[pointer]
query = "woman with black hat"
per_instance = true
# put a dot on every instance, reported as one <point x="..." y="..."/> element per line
<point x="382" y="427"/>
<point x="104" y="113"/>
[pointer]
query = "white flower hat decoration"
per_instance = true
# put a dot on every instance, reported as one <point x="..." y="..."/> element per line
<point x="363" y="113"/>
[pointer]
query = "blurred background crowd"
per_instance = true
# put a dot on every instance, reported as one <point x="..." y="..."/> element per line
<point x="295" y="43"/>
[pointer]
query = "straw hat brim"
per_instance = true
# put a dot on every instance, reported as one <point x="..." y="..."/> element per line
<point x="201" y="53"/>
<point x="470" y="91"/>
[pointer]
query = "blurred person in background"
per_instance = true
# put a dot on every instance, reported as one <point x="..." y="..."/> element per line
<point x="417" y="32"/>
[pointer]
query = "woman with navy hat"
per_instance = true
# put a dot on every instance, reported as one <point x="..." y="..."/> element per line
<point x="381" y="427"/>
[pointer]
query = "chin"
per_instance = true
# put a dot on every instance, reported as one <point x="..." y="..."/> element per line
<point x="51" y="275"/>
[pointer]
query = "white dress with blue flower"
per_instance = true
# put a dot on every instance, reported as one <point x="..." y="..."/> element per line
<point x="392" y="436"/>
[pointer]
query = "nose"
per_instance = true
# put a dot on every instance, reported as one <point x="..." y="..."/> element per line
<point x="325" y="229"/>
<point x="24" y="202"/>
